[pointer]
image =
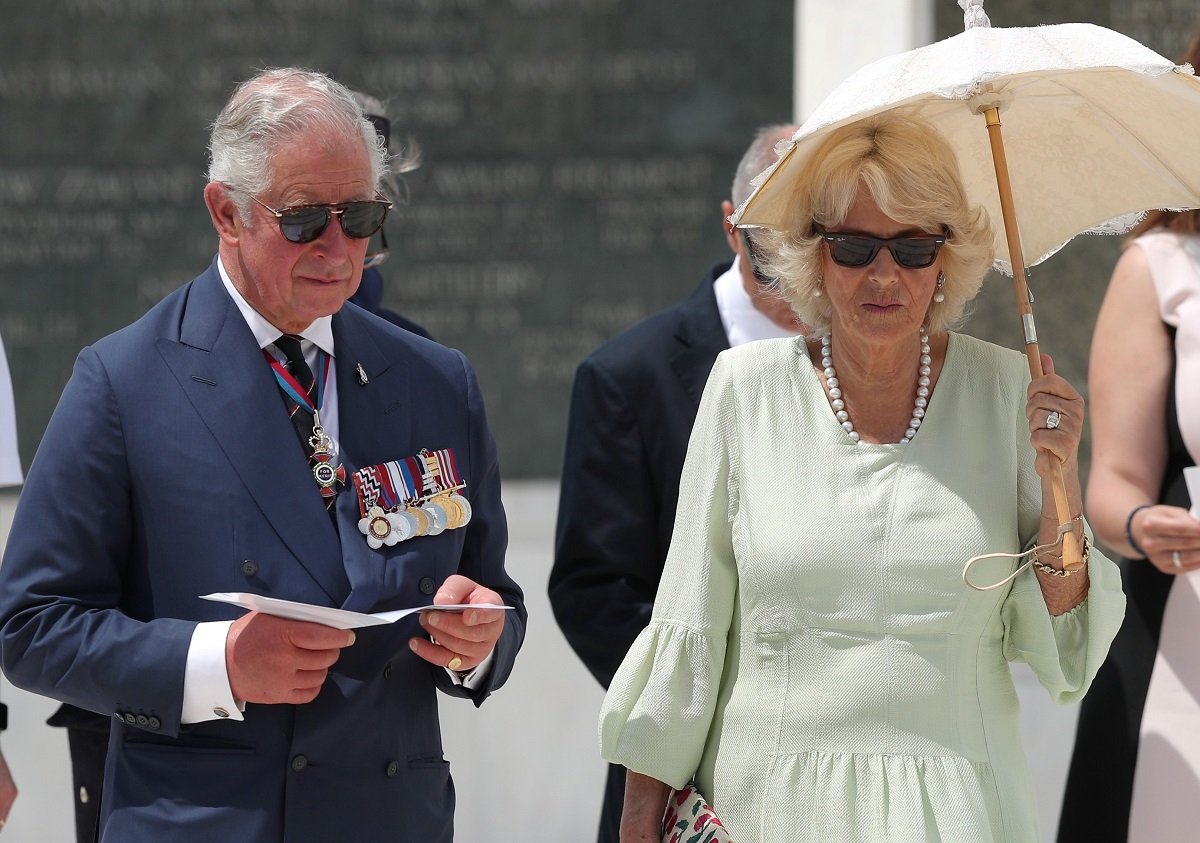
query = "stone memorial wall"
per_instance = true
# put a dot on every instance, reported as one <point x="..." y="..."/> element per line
<point x="575" y="153"/>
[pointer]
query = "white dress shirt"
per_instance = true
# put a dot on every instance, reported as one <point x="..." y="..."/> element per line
<point x="10" y="459"/>
<point x="742" y="320"/>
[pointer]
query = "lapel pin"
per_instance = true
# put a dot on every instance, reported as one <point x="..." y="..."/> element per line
<point x="362" y="375"/>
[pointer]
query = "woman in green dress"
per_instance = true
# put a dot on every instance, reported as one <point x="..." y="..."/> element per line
<point x="815" y="663"/>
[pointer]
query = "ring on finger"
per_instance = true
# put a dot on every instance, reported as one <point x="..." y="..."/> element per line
<point x="455" y="663"/>
<point x="1053" y="419"/>
<point x="1176" y="559"/>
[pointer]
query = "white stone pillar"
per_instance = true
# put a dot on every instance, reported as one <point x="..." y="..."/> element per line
<point x="834" y="38"/>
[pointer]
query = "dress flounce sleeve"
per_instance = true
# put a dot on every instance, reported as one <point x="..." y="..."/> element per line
<point x="657" y="714"/>
<point x="1065" y="651"/>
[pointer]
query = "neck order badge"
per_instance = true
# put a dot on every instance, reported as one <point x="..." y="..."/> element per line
<point x="320" y="450"/>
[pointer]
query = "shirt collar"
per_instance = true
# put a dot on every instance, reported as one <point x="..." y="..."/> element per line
<point x="743" y="322"/>
<point x="320" y="332"/>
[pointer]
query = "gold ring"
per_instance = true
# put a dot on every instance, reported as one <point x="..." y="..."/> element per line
<point x="454" y="663"/>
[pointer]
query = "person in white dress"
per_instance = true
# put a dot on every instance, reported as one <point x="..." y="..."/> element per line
<point x="1135" y="769"/>
<point x="815" y="663"/>
<point x="10" y="475"/>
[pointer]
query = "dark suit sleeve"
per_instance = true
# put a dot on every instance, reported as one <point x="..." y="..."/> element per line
<point x="606" y="560"/>
<point x="63" y="629"/>
<point x="483" y="550"/>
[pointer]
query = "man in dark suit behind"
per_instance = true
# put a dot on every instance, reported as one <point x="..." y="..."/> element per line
<point x="632" y="409"/>
<point x="171" y="469"/>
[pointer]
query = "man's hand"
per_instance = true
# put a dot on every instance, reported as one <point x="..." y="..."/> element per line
<point x="276" y="660"/>
<point x="465" y="638"/>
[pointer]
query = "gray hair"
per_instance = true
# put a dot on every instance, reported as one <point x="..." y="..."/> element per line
<point x="760" y="155"/>
<point x="912" y="174"/>
<point x="275" y="107"/>
<point x="404" y="160"/>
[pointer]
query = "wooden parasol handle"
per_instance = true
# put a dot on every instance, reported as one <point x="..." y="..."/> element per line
<point x="1072" y="558"/>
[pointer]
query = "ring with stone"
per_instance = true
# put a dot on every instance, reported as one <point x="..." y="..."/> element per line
<point x="1176" y="560"/>
<point x="1053" y="420"/>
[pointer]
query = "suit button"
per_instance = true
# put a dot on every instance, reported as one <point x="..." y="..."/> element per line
<point x="299" y="763"/>
<point x="393" y="768"/>
<point x="426" y="585"/>
<point x="130" y="718"/>
<point x="249" y="567"/>
<point x="143" y="720"/>
<point x="387" y="671"/>
<point x="155" y="723"/>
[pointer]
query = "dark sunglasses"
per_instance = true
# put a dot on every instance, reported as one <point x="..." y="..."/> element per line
<point x="860" y="249"/>
<point x="305" y="223"/>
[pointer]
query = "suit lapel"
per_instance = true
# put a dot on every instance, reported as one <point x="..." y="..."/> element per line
<point x="701" y="336"/>
<point x="219" y="367"/>
<point x="374" y="418"/>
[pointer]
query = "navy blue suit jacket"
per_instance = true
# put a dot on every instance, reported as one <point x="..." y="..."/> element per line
<point x="170" y="470"/>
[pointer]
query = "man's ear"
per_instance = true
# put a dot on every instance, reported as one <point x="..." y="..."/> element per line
<point x="224" y="212"/>
<point x="731" y="234"/>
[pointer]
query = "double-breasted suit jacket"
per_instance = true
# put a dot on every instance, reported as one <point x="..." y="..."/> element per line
<point x="170" y="470"/>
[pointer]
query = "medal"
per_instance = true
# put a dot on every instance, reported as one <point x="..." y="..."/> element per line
<point x="404" y="526"/>
<point x="403" y="499"/>
<point x="421" y="517"/>
<point x="376" y="527"/>
<point x="438" y="520"/>
<point x="463" y="504"/>
<point x="325" y="471"/>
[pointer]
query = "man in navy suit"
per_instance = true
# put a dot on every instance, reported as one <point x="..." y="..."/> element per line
<point x="171" y="469"/>
<point x="632" y="409"/>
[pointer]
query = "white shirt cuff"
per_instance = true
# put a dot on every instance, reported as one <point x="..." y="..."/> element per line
<point x="206" y="691"/>
<point x="473" y="678"/>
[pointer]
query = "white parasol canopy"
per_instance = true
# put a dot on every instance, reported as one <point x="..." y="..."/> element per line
<point x="1098" y="128"/>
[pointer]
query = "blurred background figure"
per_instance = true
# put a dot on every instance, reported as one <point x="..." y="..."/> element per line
<point x="370" y="291"/>
<point x="1135" y="771"/>
<point x="10" y="475"/>
<point x="632" y="408"/>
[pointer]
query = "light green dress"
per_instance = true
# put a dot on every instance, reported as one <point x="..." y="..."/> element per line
<point x="814" y="659"/>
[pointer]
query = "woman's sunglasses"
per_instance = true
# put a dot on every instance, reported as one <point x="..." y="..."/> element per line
<point x="305" y="223"/>
<point x="856" y="250"/>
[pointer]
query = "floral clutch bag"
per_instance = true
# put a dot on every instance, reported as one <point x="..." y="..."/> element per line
<point x="690" y="819"/>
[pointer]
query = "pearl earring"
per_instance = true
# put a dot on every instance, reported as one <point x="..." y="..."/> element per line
<point x="816" y="293"/>
<point x="939" y="296"/>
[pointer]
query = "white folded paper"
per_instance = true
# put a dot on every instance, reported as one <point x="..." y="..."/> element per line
<point x="337" y="618"/>
<point x="1191" y="476"/>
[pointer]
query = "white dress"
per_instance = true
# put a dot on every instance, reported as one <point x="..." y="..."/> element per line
<point x="1165" y="805"/>
<point x="814" y="660"/>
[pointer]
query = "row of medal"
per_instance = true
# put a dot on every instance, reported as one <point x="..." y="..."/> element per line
<point x="414" y="496"/>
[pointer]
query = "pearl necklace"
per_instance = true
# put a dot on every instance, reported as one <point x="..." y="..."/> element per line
<point x="839" y="406"/>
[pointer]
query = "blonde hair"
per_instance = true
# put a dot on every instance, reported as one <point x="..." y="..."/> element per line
<point x="912" y="174"/>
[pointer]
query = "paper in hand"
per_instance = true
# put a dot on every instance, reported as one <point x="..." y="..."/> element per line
<point x="337" y="618"/>
<point x="1191" y="476"/>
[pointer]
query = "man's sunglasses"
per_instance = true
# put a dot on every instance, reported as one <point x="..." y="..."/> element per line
<point x="305" y="223"/>
<point x="755" y="260"/>
<point x="856" y="250"/>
